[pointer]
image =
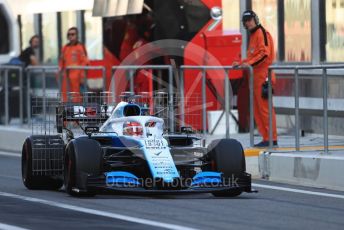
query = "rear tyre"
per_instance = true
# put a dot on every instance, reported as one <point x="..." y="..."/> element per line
<point x="83" y="157"/>
<point x="227" y="156"/>
<point x="30" y="180"/>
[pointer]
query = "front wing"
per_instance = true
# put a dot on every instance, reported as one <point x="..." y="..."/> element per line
<point x="242" y="183"/>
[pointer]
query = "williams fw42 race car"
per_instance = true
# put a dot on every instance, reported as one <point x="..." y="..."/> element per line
<point x="122" y="149"/>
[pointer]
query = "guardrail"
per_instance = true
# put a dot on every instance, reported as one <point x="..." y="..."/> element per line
<point x="227" y="105"/>
<point x="43" y="70"/>
<point x="296" y="69"/>
<point x="26" y="88"/>
<point x="6" y="69"/>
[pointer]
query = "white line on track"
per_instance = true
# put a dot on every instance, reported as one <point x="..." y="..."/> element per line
<point x="10" y="227"/>
<point x="10" y="154"/>
<point x="97" y="212"/>
<point x="11" y="177"/>
<point x="298" y="191"/>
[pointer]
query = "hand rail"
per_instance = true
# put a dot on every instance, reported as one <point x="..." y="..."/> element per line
<point x="227" y="94"/>
<point x="296" y="69"/>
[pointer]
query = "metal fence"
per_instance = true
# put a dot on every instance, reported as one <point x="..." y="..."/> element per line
<point x="173" y="100"/>
<point x="295" y="70"/>
<point x="5" y="77"/>
<point x="227" y="94"/>
<point x="41" y="72"/>
<point x="25" y="78"/>
<point x="171" y="103"/>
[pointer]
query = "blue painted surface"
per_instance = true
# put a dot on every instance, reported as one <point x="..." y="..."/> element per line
<point x="121" y="178"/>
<point x="123" y="141"/>
<point x="206" y="177"/>
<point x="159" y="159"/>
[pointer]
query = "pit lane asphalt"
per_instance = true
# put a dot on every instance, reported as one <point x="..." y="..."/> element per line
<point x="269" y="209"/>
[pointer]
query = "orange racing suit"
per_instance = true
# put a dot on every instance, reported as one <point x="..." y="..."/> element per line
<point x="72" y="55"/>
<point x="260" y="54"/>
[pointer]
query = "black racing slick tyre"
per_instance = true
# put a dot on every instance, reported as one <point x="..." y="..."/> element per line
<point x="31" y="180"/>
<point x="227" y="156"/>
<point x="83" y="157"/>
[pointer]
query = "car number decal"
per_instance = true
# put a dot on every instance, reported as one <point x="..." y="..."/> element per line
<point x="155" y="144"/>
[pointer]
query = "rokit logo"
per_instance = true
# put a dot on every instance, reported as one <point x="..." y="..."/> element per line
<point x="236" y="40"/>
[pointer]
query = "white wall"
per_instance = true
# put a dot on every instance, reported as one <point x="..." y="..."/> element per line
<point x="40" y="6"/>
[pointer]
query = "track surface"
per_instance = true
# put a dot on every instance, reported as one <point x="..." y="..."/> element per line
<point x="271" y="208"/>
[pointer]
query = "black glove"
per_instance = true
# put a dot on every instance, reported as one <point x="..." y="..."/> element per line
<point x="265" y="90"/>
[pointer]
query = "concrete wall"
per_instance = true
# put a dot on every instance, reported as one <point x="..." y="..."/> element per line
<point x="307" y="169"/>
<point x="12" y="139"/>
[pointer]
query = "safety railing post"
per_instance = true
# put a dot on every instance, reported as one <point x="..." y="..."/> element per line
<point x="104" y="79"/>
<point x="60" y="80"/>
<point x="6" y="98"/>
<point x="182" y="103"/>
<point x="1" y="70"/>
<point x="131" y="80"/>
<point x="113" y="84"/>
<point x="270" y="106"/>
<point x="68" y="85"/>
<point x="84" y="85"/>
<point x="170" y="98"/>
<point x="227" y="102"/>
<point x="28" y="96"/>
<point x="297" y="115"/>
<point x="204" y="102"/>
<point x="44" y="85"/>
<point x="325" y="97"/>
<point x="251" y="86"/>
<point x="21" y="104"/>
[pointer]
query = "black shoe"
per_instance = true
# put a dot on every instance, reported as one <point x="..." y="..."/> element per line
<point x="263" y="144"/>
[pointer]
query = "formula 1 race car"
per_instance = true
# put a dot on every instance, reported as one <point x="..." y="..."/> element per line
<point x="124" y="150"/>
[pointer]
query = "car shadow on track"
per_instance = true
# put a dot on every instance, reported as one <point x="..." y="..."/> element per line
<point x="204" y="196"/>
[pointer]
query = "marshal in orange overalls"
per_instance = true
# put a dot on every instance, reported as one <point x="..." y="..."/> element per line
<point x="260" y="54"/>
<point x="72" y="55"/>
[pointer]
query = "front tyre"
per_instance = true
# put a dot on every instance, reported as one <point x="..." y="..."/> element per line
<point x="70" y="175"/>
<point x="227" y="156"/>
<point x="82" y="158"/>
